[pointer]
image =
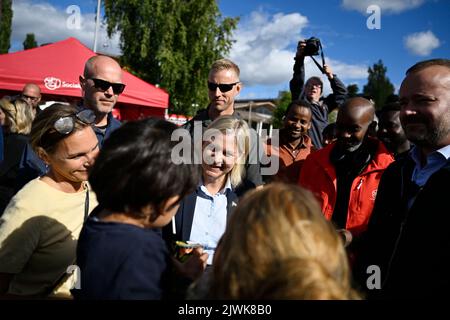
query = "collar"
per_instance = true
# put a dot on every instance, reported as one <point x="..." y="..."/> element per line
<point x="302" y="145"/>
<point x="443" y="153"/>
<point x="201" y="187"/>
<point x="203" y="115"/>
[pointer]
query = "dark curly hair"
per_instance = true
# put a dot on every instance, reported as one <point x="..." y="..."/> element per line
<point x="134" y="168"/>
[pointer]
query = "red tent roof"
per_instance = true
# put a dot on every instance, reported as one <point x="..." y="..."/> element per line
<point x="56" y="68"/>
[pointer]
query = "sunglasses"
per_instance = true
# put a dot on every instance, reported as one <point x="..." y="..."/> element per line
<point x="224" y="87"/>
<point x="104" y="85"/>
<point x="30" y="97"/>
<point x="65" y="125"/>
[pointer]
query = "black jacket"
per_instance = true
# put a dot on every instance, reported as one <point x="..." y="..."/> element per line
<point x="10" y="171"/>
<point x="411" y="247"/>
<point x="185" y="216"/>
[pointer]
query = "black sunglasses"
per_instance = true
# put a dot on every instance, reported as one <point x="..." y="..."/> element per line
<point x="24" y="96"/>
<point x="224" y="87"/>
<point x="104" y="85"/>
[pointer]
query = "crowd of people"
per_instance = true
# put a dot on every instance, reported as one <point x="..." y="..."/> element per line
<point x="79" y="188"/>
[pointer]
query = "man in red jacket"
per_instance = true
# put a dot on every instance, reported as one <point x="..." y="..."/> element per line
<point x="344" y="175"/>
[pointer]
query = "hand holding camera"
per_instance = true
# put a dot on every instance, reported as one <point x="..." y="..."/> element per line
<point x="312" y="47"/>
<point x="328" y="71"/>
<point x="301" y="49"/>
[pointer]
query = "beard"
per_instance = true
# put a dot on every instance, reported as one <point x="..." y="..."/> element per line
<point x="429" y="136"/>
<point x="348" y="146"/>
<point x="392" y="141"/>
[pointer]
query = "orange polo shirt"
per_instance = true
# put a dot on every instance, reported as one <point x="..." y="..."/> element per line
<point x="290" y="160"/>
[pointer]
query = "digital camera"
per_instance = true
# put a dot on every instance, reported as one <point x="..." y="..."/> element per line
<point x="312" y="47"/>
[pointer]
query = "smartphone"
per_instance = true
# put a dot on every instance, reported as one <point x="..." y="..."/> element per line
<point x="184" y="249"/>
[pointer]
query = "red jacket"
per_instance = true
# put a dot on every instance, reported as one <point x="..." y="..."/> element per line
<point x="319" y="175"/>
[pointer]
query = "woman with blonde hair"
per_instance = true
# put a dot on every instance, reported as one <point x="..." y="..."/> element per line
<point x="203" y="214"/>
<point x="18" y="115"/>
<point x="40" y="226"/>
<point x="278" y="245"/>
<point x="16" y="124"/>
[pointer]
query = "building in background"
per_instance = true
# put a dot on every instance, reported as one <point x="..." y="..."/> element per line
<point x="258" y="113"/>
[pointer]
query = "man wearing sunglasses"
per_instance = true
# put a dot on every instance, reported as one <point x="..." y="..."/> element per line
<point x="31" y="93"/>
<point x="223" y="87"/>
<point x="101" y="85"/>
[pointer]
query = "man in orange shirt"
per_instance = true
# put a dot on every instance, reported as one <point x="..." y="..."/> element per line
<point x="295" y="144"/>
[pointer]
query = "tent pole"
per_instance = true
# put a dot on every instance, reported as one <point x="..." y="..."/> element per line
<point x="97" y="23"/>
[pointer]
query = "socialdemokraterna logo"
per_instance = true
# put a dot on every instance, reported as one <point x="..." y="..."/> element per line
<point x="53" y="83"/>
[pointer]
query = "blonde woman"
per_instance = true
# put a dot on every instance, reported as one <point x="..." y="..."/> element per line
<point x="40" y="226"/>
<point x="203" y="214"/>
<point x="16" y="128"/>
<point x="278" y="245"/>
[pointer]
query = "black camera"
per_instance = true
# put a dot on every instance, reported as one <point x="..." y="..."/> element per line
<point x="313" y="46"/>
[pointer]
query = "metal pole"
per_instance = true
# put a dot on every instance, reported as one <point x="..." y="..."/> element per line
<point x="250" y="114"/>
<point x="97" y="23"/>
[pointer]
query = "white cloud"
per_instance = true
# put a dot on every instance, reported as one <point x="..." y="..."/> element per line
<point x="49" y="24"/>
<point x="347" y="71"/>
<point x="261" y="47"/>
<point x="421" y="43"/>
<point x="264" y="55"/>
<point x="388" y="6"/>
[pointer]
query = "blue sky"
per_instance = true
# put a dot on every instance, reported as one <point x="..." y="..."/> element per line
<point x="267" y="35"/>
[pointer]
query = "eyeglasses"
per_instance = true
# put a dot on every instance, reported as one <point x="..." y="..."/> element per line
<point x="317" y="85"/>
<point x="224" y="87"/>
<point x="65" y="125"/>
<point x="30" y="97"/>
<point x="104" y="85"/>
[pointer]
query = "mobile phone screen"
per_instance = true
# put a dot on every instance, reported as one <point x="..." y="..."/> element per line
<point x="184" y="249"/>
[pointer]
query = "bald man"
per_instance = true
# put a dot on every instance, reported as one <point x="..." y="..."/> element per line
<point x="344" y="175"/>
<point x="32" y="94"/>
<point x="101" y="86"/>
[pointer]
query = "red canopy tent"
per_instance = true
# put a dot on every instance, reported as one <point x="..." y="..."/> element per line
<point x="56" y="68"/>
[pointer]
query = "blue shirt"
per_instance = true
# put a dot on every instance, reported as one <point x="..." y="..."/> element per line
<point x="435" y="161"/>
<point x="210" y="218"/>
<point x="104" y="133"/>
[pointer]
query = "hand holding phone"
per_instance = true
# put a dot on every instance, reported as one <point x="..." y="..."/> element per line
<point x="184" y="249"/>
<point x="190" y="260"/>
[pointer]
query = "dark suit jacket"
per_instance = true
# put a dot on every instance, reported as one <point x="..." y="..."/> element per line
<point x="411" y="246"/>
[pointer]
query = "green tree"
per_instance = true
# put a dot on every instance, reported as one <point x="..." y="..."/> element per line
<point x="352" y="90"/>
<point x="30" y="42"/>
<point x="6" y="15"/>
<point x="283" y="100"/>
<point x="172" y="43"/>
<point x="378" y="86"/>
